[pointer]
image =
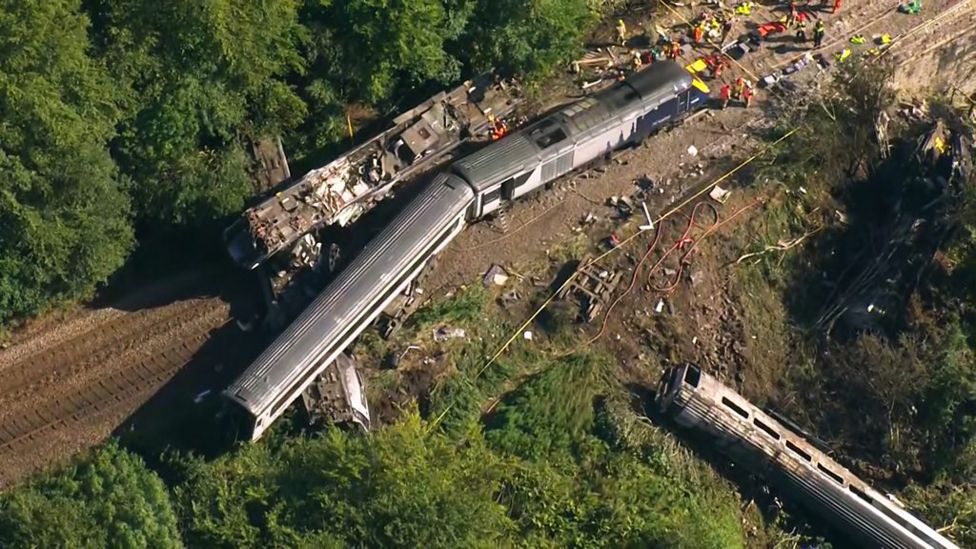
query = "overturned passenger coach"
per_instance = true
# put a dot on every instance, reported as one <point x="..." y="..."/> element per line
<point x="799" y="469"/>
<point x="472" y="187"/>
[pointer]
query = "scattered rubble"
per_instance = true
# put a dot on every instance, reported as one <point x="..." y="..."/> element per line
<point x="444" y="333"/>
<point x="592" y="286"/>
<point x="495" y="275"/>
<point x="718" y="194"/>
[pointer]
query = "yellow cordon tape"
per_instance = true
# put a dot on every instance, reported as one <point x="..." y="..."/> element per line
<point x="665" y="215"/>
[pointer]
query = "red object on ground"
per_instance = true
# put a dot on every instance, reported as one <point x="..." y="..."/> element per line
<point x="772" y="27"/>
<point x="836" y="6"/>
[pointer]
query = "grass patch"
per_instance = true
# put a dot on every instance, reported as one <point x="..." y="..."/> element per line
<point x="576" y="247"/>
<point x="464" y="307"/>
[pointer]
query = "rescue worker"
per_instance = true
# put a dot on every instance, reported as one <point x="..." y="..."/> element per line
<point x="698" y="33"/>
<point x="638" y="61"/>
<point x="621" y="32"/>
<point x="740" y="86"/>
<point x="498" y="128"/>
<point x="836" y="6"/>
<point x="717" y="63"/>
<point x="747" y="94"/>
<point x="725" y="94"/>
<point x="727" y="25"/>
<point x="801" y="31"/>
<point x="818" y="33"/>
<point x="675" y="50"/>
<point x="502" y="129"/>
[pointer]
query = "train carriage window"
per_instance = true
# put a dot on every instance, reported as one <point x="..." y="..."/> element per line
<point x="766" y="428"/>
<point x="550" y="138"/>
<point x="837" y="478"/>
<point x="692" y="376"/>
<point x="860" y="494"/>
<point x="547" y="133"/>
<point x="798" y="451"/>
<point x="735" y="407"/>
<point x="491" y="195"/>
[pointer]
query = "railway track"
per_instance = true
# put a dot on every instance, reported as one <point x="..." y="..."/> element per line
<point x="87" y="350"/>
<point x="74" y="382"/>
<point x="91" y="371"/>
<point x="145" y="369"/>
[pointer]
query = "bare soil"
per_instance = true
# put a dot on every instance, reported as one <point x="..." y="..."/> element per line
<point x="69" y="380"/>
<point x="67" y="385"/>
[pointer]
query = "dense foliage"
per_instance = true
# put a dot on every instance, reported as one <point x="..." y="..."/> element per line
<point x="64" y="219"/>
<point x="559" y="466"/>
<point x="880" y="298"/>
<point x="134" y="117"/>
<point x="109" y="499"/>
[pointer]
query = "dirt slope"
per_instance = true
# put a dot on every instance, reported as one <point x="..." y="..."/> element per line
<point x="68" y="381"/>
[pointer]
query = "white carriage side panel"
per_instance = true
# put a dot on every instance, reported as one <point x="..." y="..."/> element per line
<point x="533" y="182"/>
<point x="603" y="143"/>
<point x="702" y="408"/>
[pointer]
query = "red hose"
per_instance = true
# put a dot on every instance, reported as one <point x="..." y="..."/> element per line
<point x="685" y="242"/>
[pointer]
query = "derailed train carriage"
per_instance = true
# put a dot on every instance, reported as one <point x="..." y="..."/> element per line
<point x="789" y="462"/>
<point x="473" y="187"/>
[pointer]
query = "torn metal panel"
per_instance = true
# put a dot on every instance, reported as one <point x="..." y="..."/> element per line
<point x="338" y="396"/>
<point x="341" y="191"/>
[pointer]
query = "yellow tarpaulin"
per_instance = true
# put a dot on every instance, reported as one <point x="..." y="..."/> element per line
<point x="700" y="85"/>
<point x="698" y="66"/>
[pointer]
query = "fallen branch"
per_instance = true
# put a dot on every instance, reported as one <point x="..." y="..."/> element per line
<point x="781" y="246"/>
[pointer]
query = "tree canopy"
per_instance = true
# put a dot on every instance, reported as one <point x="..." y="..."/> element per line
<point x="108" y="499"/>
<point x="63" y="215"/>
<point x="128" y="120"/>
<point x="198" y="77"/>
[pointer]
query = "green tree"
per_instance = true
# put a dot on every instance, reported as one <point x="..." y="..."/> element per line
<point x="399" y="487"/>
<point x="548" y="416"/>
<point x="63" y="218"/>
<point x="372" y="48"/>
<point x="201" y="79"/>
<point x="593" y="477"/>
<point x="532" y="37"/>
<point x="107" y="499"/>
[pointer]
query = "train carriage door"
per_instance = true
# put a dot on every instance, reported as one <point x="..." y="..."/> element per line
<point x="508" y="189"/>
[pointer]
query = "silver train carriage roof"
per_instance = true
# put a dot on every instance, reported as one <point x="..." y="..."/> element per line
<point x="813" y="478"/>
<point x="295" y="351"/>
<point x="516" y="153"/>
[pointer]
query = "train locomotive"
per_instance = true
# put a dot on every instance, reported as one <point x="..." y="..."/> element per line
<point x="473" y="187"/>
<point x="791" y="463"/>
